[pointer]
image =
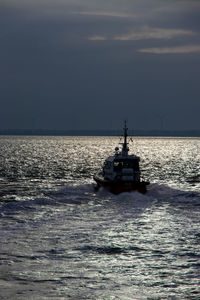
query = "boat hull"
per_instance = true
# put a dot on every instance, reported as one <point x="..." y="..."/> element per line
<point x="117" y="187"/>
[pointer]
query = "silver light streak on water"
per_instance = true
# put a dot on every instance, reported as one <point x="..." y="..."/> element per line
<point x="61" y="240"/>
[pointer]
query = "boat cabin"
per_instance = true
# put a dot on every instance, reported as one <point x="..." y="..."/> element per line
<point x="122" y="168"/>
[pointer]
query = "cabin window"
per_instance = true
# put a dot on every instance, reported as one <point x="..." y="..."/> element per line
<point x="118" y="165"/>
<point x="128" y="164"/>
<point x="107" y="165"/>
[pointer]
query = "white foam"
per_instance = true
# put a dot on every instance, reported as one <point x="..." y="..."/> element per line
<point x="77" y="193"/>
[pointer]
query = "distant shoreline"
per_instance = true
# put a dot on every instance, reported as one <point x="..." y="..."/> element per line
<point x="139" y="133"/>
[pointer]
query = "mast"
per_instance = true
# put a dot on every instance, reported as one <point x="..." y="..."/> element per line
<point x="125" y="148"/>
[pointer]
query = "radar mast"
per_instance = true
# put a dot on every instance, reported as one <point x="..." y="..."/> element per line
<point x="125" y="148"/>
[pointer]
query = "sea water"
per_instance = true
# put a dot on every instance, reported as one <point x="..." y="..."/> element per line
<point x="59" y="239"/>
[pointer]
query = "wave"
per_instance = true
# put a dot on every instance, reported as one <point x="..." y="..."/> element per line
<point x="83" y="193"/>
<point x="167" y="193"/>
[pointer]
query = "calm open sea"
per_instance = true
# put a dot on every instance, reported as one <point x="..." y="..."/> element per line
<point x="62" y="240"/>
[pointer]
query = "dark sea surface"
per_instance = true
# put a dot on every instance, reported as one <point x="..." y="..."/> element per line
<point x="62" y="240"/>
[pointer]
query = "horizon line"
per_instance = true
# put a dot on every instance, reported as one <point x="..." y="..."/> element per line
<point x="102" y="132"/>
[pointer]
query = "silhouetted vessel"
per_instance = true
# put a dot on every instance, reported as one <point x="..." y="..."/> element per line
<point x="121" y="172"/>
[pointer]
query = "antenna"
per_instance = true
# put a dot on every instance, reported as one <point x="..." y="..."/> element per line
<point x="125" y="147"/>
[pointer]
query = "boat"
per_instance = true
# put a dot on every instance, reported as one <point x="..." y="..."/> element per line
<point x="121" y="171"/>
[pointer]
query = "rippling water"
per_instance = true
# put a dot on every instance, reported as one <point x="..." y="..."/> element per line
<point x="62" y="240"/>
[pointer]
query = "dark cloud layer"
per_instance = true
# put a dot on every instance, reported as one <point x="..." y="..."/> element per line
<point x="74" y="64"/>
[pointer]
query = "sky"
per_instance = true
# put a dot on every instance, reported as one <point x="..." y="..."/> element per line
<point x="88" y="64"/>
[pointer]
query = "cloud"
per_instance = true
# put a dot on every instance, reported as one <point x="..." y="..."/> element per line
<point x="173" y="50"/>
<point x="146" y="33"/>
<point x="153" y="33"/>
<point x="104" y="14"/>
<point x="97" y="38"/>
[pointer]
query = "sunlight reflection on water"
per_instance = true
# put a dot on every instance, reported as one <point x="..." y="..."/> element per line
<point x="59" y="238"/>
